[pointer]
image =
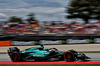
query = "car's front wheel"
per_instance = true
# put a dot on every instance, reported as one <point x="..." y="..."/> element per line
<point x="69" y="56"/>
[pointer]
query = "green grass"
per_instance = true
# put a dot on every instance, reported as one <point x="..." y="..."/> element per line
<point x="57" y="65"/>
<point x="3" y="52"/>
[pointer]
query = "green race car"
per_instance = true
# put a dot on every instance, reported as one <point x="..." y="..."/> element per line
<point x="40" y="54"/>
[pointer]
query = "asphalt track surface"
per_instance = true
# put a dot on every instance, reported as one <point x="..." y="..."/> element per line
<point x="95" y="57"/>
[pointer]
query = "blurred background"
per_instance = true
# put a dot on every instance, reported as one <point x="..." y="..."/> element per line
<point x="49" y="17"/>
<point x="71" y="21"/>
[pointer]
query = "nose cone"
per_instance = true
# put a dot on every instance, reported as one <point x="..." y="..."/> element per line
<point x="88" y="58"/>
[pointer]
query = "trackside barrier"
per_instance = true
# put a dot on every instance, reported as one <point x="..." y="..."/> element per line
<point x="30" y="40"/>
<point x="5" y="43"/>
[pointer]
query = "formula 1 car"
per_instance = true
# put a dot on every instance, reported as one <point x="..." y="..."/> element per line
<point x="40" y="54"/>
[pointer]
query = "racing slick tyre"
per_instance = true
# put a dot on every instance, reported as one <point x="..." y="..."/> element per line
<point x="15" y="57"/>
<point x="69" y="56"/>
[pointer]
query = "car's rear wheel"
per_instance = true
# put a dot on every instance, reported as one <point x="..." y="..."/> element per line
<point x="15" y="57"/>
<point x="69" y="56"/>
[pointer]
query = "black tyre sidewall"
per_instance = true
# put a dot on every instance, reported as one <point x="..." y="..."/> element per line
<point x="11" y="56"/>
<point x="73" y="56"/>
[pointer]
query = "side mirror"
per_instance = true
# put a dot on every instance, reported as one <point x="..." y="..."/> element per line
<point x="42" y="46"/>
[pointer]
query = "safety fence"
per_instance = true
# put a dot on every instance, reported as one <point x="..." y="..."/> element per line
<point x="50" y="42"/>
<point x="29" y="40"/>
